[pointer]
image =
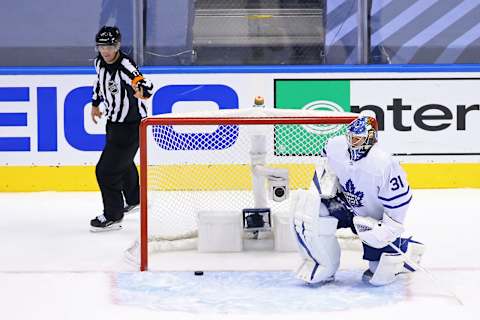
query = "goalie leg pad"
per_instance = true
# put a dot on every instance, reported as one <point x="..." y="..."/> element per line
<point x="386" y="271"/>
<point x="414" y="253"/>
<point x="316" y="239"/>
<point x="311" y="272"/>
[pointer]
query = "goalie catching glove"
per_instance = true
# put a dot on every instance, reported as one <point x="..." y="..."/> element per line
<point x="377" y="233"/>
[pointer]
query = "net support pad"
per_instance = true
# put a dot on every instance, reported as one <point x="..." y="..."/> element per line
<point x="220" y="231"/>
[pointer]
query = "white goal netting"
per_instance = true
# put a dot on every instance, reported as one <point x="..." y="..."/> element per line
<point x="205" y="161"/>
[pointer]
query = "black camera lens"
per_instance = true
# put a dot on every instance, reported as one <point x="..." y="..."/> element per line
<point x="279" y="192"/>
<point x="254" y="221"/>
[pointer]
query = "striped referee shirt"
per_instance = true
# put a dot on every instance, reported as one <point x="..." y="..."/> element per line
<point x="113" y="86"/>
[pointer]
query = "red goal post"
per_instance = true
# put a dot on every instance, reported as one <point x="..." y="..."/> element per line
<point x="153" y="131"/>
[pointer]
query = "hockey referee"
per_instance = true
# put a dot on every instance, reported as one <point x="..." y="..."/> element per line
<point x="121" y="87"/>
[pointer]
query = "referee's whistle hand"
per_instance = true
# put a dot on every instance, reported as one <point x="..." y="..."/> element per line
<point x="138" y="93"/>
<point x="95" y="113"/>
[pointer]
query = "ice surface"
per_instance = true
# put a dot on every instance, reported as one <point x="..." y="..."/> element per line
<point x="52" y="267"/>
<point x="264" y="293"/>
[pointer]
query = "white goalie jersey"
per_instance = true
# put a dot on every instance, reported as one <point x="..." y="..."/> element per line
<point x="373" y="185"/>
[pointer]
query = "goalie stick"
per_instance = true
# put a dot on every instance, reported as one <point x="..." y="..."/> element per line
<point x="434" y="279"/>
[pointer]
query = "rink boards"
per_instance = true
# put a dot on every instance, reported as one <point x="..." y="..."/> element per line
<point x="428" y="115"/>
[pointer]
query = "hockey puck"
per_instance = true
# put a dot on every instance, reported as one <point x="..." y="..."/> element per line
<point x="198" y="273"/>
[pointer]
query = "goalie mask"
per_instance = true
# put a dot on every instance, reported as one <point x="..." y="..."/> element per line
<point x="361" y="136"/>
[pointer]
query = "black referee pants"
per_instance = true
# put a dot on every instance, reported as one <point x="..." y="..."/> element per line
<point x="117" y="175"/>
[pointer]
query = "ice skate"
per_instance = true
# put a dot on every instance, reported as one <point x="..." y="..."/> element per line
<point x="100" y="224"/>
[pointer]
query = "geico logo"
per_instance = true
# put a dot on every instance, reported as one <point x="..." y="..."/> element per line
<point x="47" y="127"/>
<point x="47" y="122"/>
<point x="429" y="117"/>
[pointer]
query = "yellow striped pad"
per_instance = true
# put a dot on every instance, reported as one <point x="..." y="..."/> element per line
<point x="82" y="178"/>
<point x="219" y="177"/>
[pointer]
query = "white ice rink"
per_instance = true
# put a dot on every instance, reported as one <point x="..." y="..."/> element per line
<point x="52" y="267"/>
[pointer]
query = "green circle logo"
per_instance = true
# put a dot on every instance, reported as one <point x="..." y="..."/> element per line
<point x="323" y="105"/>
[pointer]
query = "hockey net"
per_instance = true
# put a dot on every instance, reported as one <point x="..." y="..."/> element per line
<point x="191" y="162"/>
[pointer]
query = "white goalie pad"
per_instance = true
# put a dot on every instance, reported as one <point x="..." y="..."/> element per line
<point x="316" y="239"/>
<point x="414" y="254"/>
<point x="377" y="233"/>
<point x="389" y="266"/>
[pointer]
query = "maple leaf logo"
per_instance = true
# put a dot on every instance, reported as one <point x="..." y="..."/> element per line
<point x="353" y="197"/>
